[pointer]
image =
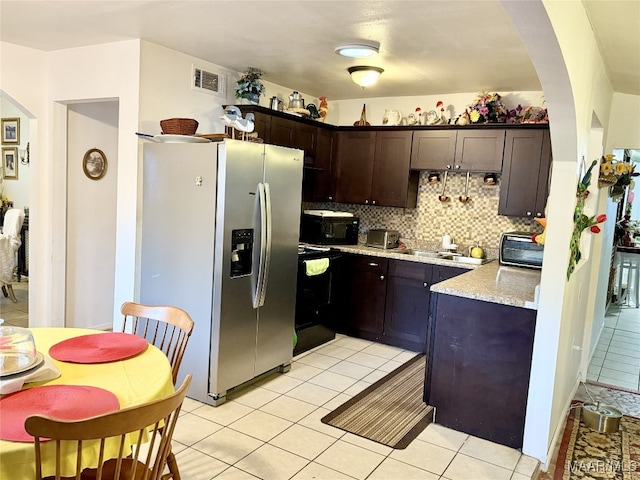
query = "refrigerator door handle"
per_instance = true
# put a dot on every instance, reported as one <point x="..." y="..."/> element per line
<point x="267" y="257"/>
<point x="261" y="199"/>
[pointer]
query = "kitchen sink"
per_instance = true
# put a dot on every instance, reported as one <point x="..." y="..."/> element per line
<point x="445" y="256"/>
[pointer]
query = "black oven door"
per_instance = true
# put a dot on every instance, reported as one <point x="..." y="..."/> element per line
<point x="316" y="303"/>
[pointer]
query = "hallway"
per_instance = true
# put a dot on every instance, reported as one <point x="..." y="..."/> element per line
<point x="616" y="360"/>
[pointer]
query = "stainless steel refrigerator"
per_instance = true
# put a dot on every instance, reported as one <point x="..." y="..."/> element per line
<point x="219" y="236"/>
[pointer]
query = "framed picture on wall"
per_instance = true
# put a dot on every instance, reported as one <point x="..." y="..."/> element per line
<point x="94" y="164"/>
<point x="10" y="162"/>
<point x="10" y="131"/>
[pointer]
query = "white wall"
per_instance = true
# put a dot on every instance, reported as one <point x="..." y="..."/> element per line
<point x="24" y="74"/>
<point x="624" y="128"/>
<point x="91" y="217"/>
<point x="576" y="87"/>
<point x="346" y="112"/>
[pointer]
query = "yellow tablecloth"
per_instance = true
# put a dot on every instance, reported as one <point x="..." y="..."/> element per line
<point x="136" y="380"/>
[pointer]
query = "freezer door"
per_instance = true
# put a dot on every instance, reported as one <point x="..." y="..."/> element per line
<point x="283" y="181"/>
<point x="177" y="238"/>
<point x="233" y="337"/>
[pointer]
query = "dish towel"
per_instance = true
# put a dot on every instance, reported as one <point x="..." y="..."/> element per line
<point x="46" y="371"/>
<point x="316" y="266"/>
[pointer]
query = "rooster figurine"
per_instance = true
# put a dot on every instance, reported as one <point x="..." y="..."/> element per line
<point x="323" y="109"/>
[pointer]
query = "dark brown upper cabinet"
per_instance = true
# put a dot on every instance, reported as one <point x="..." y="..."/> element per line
<point x="525" y="176"/>
<point x="374" y="168"/>
<point x="465" y="150"/>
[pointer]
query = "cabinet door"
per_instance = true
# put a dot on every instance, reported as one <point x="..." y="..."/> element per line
<point x="304" y="138"/>
<point x="521" y="174"/>
<point x="391" y="169"/>
<point x="355" y="166"/>
<point x="407" y="305"/>
<point x="479" y="150"/>
<point x="544" y="176"/>
<point x="440" y="273"/>
<point x="433" y="150"/>
<point x="368" y="284"/>
<point x="322" y="177"/>
<point x="478" y="371"/>
<point x="282" y="132"/>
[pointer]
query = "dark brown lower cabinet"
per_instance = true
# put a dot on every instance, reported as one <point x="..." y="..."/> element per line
<point x="407" y="305"/>
<point x="478" y="367"/>
<point x="389" y="300"/>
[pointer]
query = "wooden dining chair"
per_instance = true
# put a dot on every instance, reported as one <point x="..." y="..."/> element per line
<point x="169" y="329"/>
<point x="152" y="422"/>
<point x="166" y="327"/>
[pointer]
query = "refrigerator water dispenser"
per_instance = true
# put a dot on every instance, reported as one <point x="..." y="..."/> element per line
<point x="241" y="252"/>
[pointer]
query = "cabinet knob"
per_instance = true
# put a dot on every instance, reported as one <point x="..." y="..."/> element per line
<point x="330" y="198"/>
<point x="372" y="264"/>
<point x="425" y="284"/>
<point x="381" y="277"/>
<point x="457" y="167"/>
<point x="449" y="166"/>
<point x="528" y="214"/>
<point x="366" y="202"/>
<point x="538" y="214"/>
<point x="373" y="202"/>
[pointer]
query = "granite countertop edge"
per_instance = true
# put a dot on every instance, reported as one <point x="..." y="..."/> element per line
<point x="491" y="282"/>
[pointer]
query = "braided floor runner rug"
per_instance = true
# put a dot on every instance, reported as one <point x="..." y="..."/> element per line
<point x="391" y="411"/>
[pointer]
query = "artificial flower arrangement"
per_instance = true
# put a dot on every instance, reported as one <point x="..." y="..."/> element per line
<point x="488" y="108"/>
<point x="616" y="174"/>
<point x="249" y="85"/>
<point x="581" y="221"/>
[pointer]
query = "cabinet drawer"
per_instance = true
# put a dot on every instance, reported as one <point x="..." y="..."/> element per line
<point x="412" y="270"/>
<point x="370" y="264"/>
<point x="442" y="273"/>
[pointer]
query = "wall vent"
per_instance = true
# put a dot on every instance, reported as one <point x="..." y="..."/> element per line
<point x="208" y="82"/>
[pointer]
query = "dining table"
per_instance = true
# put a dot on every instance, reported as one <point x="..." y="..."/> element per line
<point x="138" y="379"/>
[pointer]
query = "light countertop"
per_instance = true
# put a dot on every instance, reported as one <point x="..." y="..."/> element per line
<point x="490" y="282"/>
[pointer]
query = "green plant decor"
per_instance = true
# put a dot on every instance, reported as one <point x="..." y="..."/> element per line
<point x="581" y="221"/>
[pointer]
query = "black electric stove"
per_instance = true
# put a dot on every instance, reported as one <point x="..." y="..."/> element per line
<point x="316" y="298"/>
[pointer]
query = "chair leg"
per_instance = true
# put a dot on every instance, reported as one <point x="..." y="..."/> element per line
<point x="12" y="295"/>
<point x="4" y="291"/>
<point x="174" y="473"/>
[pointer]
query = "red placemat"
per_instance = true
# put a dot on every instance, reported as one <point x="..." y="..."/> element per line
<point x="98" y="348"/>
<point x="64" y="402"/>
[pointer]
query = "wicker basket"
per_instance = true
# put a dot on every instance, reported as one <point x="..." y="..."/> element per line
<point x="179" y="126"/>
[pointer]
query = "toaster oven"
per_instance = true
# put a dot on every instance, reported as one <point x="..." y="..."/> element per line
<point x="518" y="250"/>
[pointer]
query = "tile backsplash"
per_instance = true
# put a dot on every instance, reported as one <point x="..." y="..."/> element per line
<point x="424" y="226"/>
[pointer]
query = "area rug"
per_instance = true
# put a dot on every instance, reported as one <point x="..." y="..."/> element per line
<point x="586" y="454"/>
<point x="391" y="411"/>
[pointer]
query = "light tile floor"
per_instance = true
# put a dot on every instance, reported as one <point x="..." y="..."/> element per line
<point x="616" y="360"/>
<point x="272" y="429"/>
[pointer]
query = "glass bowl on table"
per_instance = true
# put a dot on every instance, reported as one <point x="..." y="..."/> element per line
<point x="17" y="350"/>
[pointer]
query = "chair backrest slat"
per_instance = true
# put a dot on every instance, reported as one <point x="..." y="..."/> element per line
<point x="155" y="419"/>
<point x="166" y="327"/>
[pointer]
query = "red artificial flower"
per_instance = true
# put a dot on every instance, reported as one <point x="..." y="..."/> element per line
<point x="595" y="229"/>
<point x="601" y="218"/>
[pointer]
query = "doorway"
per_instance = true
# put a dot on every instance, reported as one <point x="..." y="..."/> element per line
<point x="92" y="165"/>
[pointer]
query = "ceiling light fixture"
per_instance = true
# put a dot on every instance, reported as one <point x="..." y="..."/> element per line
<point x="364" y="76"/>
<point x="358" y="50"/>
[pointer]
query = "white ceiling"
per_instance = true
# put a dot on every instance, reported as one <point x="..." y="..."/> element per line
<point x="427" y="47"/>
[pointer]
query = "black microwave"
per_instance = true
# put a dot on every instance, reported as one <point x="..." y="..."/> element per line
<point x="517" y="249"/>
<point x="329" y="230"/>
